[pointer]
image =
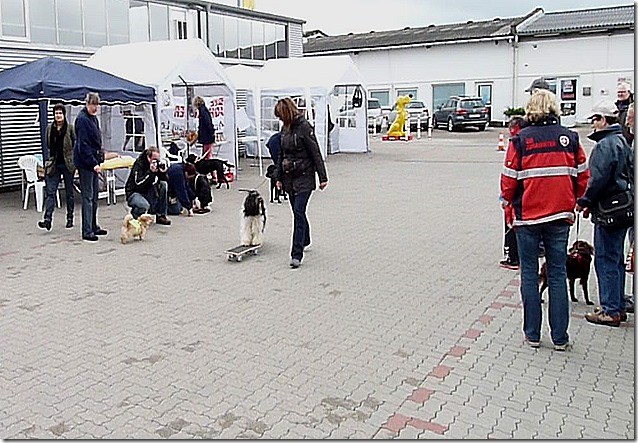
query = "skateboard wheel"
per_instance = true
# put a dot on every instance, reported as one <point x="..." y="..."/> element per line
<point x="238" y="258"/>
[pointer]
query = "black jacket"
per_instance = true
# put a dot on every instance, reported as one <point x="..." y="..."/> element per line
<point x="141" y="178"/>
<point x="300" y="158"/>
<point x="607" y="166"/>
<point x="206" y="130"/>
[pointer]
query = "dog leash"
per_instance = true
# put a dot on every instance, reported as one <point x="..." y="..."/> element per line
<point x="254" y="189"/>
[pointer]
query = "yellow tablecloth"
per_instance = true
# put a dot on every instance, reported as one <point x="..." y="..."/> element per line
<point x="126" y="161"/>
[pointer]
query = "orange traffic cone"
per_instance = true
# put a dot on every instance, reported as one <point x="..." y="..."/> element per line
<point x="501" y="142"/>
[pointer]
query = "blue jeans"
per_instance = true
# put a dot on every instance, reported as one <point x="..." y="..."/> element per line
<point x="301" y="227"/>
<point x="89" y="190"/>
<point x="554" y="236"/>
<point x="609" y="263"/>
<point x="155" y="200"/>
<point x="52" y="186"/>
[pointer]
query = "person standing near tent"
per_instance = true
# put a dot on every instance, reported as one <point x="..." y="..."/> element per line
<point x="60" y="137"/>
<point x="299" y="160"/>
<point x="205" y="130"/>
<point x="87" y="156"/>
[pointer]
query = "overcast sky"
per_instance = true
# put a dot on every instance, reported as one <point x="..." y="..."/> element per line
<point x="342" y="16"/>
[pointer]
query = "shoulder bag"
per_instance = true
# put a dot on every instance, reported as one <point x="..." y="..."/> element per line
<point x="617" y="211"/>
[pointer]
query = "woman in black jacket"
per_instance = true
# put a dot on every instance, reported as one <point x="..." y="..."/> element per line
<point x="205" y="130"/>
<point x="299" y="160"/>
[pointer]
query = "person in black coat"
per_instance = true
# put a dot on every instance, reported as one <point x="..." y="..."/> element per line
<point x="298" y="162"/>
<point x="205" y="130"/>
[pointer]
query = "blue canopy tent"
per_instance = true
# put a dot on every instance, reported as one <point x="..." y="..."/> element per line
<point x="51" y="79"/>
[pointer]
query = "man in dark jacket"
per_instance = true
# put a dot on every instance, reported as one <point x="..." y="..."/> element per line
<point x="144" y="189"/>
<point x="87" y="157"/>
<point x="611" y="166"/>
<point x="625" y="98"/>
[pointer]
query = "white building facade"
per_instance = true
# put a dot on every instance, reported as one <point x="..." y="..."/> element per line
<point x="582" y="53"/>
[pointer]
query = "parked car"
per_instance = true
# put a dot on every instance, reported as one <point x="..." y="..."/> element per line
<point x="374" y="114"/>
<point x="460" y="111"/>
<point x="416" y="109"/>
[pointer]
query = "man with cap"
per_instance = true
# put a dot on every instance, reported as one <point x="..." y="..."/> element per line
<point x="608" y="162"/>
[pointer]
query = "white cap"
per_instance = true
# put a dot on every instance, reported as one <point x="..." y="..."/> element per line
<point x="605" y="108"/>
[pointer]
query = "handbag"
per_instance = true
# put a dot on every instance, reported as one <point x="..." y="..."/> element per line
<point x="617" y="211"/>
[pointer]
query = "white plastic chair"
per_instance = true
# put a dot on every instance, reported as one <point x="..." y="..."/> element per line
<point x="29" y="166"/>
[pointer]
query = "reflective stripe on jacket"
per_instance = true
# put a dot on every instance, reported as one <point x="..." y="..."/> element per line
<point x="545" y="170"/>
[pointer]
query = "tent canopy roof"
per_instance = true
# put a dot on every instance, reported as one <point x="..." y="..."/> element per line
<point x="242" y="76"/>
<point x="161" y="63"/>
<point x="57" y="79"/>
<point x="313" y="73"/>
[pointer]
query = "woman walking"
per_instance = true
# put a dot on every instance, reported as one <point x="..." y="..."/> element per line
<point x="298" y="162"/>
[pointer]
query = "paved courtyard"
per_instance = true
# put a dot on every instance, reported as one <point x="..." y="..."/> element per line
<point x="399" y="323"/>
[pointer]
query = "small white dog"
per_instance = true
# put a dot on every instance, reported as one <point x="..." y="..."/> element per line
<point x="253" y="219"/>
<point x="132" y="228"/>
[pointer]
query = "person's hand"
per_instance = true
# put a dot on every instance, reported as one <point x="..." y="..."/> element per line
<point x="504" y="203"/>
<point x="97" y="169"/>
<point x="279" y="185"/>
<point x="323" y="185"/>
<point x="154" y="166"/>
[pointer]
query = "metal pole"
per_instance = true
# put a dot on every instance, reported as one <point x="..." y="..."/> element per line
<point x="429" y="127"/>
<point x="418" y="126"/>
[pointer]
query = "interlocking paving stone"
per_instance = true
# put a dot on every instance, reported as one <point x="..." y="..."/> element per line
<point x="166" y="339"/>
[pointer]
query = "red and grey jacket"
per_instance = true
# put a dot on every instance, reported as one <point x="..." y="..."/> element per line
<point x="545" y="171"/>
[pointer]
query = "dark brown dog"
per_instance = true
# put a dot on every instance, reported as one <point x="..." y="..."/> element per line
<point x="578" y="266"/>
<point x="209" y="166"/>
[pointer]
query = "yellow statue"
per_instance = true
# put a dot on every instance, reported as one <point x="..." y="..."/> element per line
<point x="398" y="125"/>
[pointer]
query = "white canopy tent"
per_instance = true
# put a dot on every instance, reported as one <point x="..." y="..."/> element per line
<point x="177" y="69"/>
<point x="328" y="82"/>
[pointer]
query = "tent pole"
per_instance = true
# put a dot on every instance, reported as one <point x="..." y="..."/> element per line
<point x="43" y="105"/>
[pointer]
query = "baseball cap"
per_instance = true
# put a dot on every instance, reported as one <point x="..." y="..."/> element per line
<point x="539" y="83"/>
<point x="604" y="107"/>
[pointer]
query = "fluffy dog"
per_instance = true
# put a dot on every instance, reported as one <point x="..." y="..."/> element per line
<point x="578" y="266"/>
<point x="253" y="220"/>
<point x="210" y="166"/>
<point x="275" y="194"/>
<point x="132" y="228"/>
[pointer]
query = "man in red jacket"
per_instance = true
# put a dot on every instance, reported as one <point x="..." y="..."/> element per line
<point x="545" y="171"/>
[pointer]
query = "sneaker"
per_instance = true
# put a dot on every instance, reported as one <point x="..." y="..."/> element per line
<point x="101" y="232"/>
<point x="602" y="318"/>
<point x="90" y="238"/>
<point x="69" y="224"/>
<point x="563" y="347"/>
<point x="308" y="247"/>
<point x="162" y="220"/>
<point x="623" y="314"/>
<point x="45" y="224"/>
<point x="295" y="263"/>
<point x="532" y="343"/>
<point x="507" y="264"/>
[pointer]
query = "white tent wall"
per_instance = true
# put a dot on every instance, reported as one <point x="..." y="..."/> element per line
<point x="165" y="64"/>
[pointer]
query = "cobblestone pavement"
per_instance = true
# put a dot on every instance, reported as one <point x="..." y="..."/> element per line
<point x="398" y="324"/>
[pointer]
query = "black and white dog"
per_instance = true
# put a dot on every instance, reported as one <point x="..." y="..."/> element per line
<point x="275" y="194"/>
<point x="253" y="219"/>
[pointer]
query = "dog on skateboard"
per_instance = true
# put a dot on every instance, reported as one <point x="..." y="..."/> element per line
<point x="132" y="228"/>
<point x="253" y="219"/>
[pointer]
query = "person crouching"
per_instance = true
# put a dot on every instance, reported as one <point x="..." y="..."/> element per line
<point x="145" y="192"/>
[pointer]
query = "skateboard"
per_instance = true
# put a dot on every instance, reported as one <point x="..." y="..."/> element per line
<point x="237" y="253"/>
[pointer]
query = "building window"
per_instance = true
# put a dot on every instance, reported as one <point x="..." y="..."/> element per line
<point x="282" y="42"/>
<point x="180" y="29"/>
<point x="42" y="22"/>
<point x="138" y="21"/>
<point x="411" y="92"/>
<point x="245" y="39"/>
<point x="12" y="15"/>
<point x="382" y="96"/>
<point x="95" y="23"/>
<point x="216" y="35"/>
<point x="270" y="39"/>
<point x="231" y="40"/>
<point x="258" y="40"/>
<point x="69" y="17"/>
<point x="158" y="15"/>
<point x="117" y="17"/>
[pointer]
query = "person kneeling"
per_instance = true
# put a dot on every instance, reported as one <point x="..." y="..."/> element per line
<point x="146" y="192"/>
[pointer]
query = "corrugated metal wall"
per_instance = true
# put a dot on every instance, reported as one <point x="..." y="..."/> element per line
<point x="19" y="127"/>
<point x="295" y="34"/>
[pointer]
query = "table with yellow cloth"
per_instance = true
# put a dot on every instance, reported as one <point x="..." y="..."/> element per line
<point x="108" y="169"/>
